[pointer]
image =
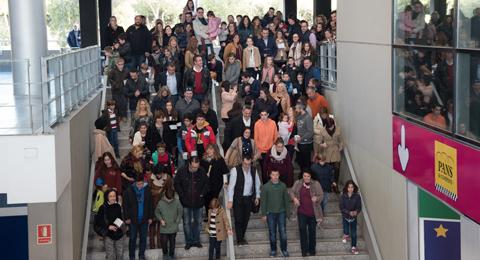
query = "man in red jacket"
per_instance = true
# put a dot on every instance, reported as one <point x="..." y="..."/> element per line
<point x="199" y="136"/>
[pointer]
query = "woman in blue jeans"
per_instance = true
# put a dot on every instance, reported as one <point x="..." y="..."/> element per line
<point x="350" y="206"/>
<point x="307" y="195"/>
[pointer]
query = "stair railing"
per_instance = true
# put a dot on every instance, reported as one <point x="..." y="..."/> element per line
<point x="230" y="246"/>
<point x="365" y="211"/>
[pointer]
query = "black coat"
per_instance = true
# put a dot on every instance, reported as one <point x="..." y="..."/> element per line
<point x="140" y="39"/>
<point x="116" y="78"/>
<point x="189" y="80"/>
<point x="113" y="212"/>
<point x="211" y="118"/>
<point x="219" y="168"/>
<point x="110" y="35"/>
<point x="162" y="81"/>
<point x="217" y="69"/>
<point x="130" y="205"/>
<point x="152" y="138"/>
<point x="183" y="186"/>
<point x="234" y="129"/>
<point x="131" y="87"/>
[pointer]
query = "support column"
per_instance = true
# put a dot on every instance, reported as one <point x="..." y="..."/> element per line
<point x="441" y="7"/>
<point x="88" y="22"/>
<point x="322" y="7"/>
<point x="27" y="22"/>
<point x="105" y="11"/>
<point x="290" y="8"/>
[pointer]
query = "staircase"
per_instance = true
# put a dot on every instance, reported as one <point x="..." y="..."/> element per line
<point x="329" y="240"/>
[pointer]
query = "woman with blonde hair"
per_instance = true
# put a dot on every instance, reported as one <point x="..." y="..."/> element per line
<point x="143" y="113"/>
<point x="190" y="52"/>
<point x="173" y="47"/>
<point x="281" y="96"/>
<point x="132" y="164"/>
<point x="158" y="34"/>
<point x="159" y="101"/>
<point x="292" y="119"/>
<point x="216" y="167"/>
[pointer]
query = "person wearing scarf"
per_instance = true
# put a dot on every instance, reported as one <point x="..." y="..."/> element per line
<point x="216" y="168"/>
<point x="279" y="158"/>
<point x="307" y="195"/>
<point x="158" y="182"/>
<point x="331" y="140"/>
<point x="200" y="27"/>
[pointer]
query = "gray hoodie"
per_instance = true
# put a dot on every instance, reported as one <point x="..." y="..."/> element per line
<point x="233" y="73"/>
<point x="305" y="128"/>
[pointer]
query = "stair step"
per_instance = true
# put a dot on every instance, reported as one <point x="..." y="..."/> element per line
<point x="262" y="249"/>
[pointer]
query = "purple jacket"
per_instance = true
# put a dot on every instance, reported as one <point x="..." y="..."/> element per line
<point x="347" y="204"/>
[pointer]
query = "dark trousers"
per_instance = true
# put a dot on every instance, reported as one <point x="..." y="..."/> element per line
<point x="241" y="212"/>
<point x="304" y="157"/>
<point x="283" y="178"/>
<point x="113" y="139"/>
<point x="120" y="104"/>
<point x="168" y="244"/>
<point x="307" y="242"/>
<point x="214" y="246"/>
<point x="136" y="228"/>
<point x="260" y="161"/>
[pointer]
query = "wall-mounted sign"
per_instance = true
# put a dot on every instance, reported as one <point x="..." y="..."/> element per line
<point x="44" y="234"/>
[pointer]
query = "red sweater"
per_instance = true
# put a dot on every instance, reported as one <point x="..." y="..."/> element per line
<point x="198" y="83"/>
<point x="306" y="205"/>
<point x="112" y="179"/>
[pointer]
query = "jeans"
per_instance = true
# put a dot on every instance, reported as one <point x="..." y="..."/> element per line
<point x="168" y="239"/>
<point x="241" y="212"/>
<point x="307" y="245"/>
<point x="214" y="246"/>
<point x="181" y="161"/>
<point x="199" y="98"/>
<point x="324" y="201"/>
<point x="134" y="229"/>
<point x="192" y="236"/>
<point x="353" y="228"/>
<point x="113" y="139"/>
<point x="132" y="112"/>
<point x="207" y="46"/>
<point x="304" y="157"/>
<point x="137" y="60"/>
<point x="273" y="219"/>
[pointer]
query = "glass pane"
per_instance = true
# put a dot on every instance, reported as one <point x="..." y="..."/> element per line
<point x="468" y="95"/>
<point x="469" y="24"/>
<point x="423" y="22"/>
<point x="421" y="90"/>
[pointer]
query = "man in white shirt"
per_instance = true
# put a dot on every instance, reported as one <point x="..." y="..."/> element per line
<point x="243" y="190"/>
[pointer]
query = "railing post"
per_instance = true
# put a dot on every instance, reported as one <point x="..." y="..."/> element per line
<point x="45" y="97"/>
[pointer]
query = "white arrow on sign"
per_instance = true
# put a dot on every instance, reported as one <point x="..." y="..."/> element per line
<point x="403" y="153"/>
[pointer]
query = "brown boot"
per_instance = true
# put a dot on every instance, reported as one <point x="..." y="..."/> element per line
<point x="159" y="236"/>
<point x="152" y="235"/>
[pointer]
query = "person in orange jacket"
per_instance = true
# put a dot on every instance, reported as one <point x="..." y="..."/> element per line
<point x="266" y="134"/>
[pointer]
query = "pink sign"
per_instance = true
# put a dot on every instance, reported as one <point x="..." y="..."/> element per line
<point x="447" y="169"/>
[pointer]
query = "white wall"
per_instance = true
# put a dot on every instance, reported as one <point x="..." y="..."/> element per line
<point x="362" y="107"/>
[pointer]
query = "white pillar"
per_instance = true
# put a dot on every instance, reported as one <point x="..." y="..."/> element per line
<point x="28" y="34"/>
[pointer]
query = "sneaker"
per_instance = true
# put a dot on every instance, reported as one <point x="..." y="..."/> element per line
<point x="285" y="254"/>
<point x="165" y="257"/>
<point x="273" y="253"/>
<point x="172" y="258"/>
<point x="141" y="258"/>
<point x="240" y="244"/>
<point x="344" y="239"/>
<point x="245" y="242"/>
<point x="354" y="250"/>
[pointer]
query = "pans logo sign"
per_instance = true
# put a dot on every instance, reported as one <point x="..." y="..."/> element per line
<point x="446" y="170"/>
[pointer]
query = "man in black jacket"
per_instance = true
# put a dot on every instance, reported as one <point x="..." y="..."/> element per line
<point x="200" y="89"/>
<point x="210" y="115"/>
<point x="138" y="214"/>
<point x="135" y="89"/>
<point x="191" y="184"/>
<point x="293" y="27"/>
<point x="140" y="39"/>
<point x="235" y="127"/>
<point x="173" y="80"/>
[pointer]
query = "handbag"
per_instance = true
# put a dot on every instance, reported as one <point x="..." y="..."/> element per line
<point x="232" y="159"/>
<point x="101" y="231"/>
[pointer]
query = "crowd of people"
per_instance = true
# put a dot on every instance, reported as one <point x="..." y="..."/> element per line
<point x="273" y="110"/>
<point x="424" y="78"/>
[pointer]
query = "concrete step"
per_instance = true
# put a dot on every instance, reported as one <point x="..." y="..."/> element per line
<point x="260" y="234"/>
<point x="254" y="248"/>
<point x="363" y="255"/>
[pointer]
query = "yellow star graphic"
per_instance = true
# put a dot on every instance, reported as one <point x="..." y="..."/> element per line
<point x="441" y="231"/>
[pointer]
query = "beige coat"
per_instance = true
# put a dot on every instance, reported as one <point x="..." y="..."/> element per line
<point x="279" y="52"/>
<point x="189" y="60"/>
<point x="230" y="48"/>
<point x="297" y="54"/>
<point x="237" y="145"/>
<point x="317" y="127"/>
<point x="102" y="144"/>
<point x="315" y="190"/>
<point x="228" y="98"/>
<point x="246" y="58"/>
<point x="222" y="225"/>
<point x="334" y="143"/>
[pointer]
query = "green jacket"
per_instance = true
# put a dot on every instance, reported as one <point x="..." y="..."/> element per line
<point x="111" y="62"/>
<point x="166" y="211"/>
<point x="274" y="200"/>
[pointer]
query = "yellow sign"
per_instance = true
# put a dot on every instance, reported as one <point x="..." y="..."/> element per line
<point x="446" y="170"/>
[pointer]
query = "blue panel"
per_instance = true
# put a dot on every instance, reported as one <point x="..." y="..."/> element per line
<point x="14" y="238"/>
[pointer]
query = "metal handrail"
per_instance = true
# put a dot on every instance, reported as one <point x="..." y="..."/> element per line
<point x="230" y="246"/>
<point x="365" y="211"/>
<point x="88" y="209"/>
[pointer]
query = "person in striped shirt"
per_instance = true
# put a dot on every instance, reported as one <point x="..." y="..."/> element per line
<point x="218" y="227"/>
<point x="113" y="134"/>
